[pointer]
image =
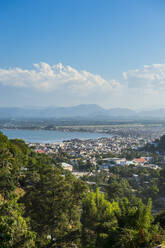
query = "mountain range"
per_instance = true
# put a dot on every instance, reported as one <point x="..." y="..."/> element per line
<point x="80" y="111"/>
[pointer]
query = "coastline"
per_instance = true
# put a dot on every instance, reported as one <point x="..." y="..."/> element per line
<point x="51" y="136"/>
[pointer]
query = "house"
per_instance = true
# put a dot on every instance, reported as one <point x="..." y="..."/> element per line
<point x="67" y="166"/>
<point x="139" y="161"/>
<point x="129" y="162"/>
<point x="40" y="151"/>
<point x="80" y="174"/>
<point x="116" y="161"/>
<point x="121" y="161"/>
<point x="149" y="159"/>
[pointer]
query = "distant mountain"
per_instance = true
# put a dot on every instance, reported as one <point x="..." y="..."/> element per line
<point x="160" y="113"/>
<point x="19" y="113"/>
<point x="80" y="111"/>
<point x="84" y="110"/>
<point x="121" y="112"/>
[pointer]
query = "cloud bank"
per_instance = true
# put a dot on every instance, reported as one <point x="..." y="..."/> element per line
<point x="137" y="88"/>
<point x="45" y="77"/>
<point x="149" y="77"/>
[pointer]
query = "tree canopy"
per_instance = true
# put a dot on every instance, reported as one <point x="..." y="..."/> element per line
<point x="42" y="205"/>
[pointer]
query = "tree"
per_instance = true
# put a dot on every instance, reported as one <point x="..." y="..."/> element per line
<point x="98" y="219"/>
<point x="136" y="226"/>
<point x="10" y="164"/>
<point x="53" y="204"/>
<point x="14" y="229"/>
<point x="118" y="188"/>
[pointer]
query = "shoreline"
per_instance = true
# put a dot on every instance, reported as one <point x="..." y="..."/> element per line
<point x="62" y="129"/>
<point x="43" y="136"/>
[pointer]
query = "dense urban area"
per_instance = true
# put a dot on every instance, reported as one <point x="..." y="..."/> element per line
<point x="103" y="153"/>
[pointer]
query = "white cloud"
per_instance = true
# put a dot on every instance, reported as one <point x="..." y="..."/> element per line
<point x="57" y="77"/>
<point x="145" y="87"/>
<point x="150" y="78"/>
<point x="64" y="85"/>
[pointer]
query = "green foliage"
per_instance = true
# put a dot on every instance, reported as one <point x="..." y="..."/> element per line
<point x="118" y="188"/>
<point x="57" y="210"/>
<point x="136" y="225"/>
<point x="99" y="219"/>
<point x="160" y="218"/>
<point x="14" y="229"/>
<point x="53" y="203"/>
<point x="11" y="161"/>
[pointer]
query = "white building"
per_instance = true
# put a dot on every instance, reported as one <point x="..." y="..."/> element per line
<point x="67" y="166"/>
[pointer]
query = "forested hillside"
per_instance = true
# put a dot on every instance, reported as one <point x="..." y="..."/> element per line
<point x="42" y="205"/>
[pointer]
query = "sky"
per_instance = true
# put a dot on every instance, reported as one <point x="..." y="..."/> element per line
<point x="70" y="52"/>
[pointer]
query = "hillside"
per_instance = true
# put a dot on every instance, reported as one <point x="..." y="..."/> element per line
<point x="42" y="205"/>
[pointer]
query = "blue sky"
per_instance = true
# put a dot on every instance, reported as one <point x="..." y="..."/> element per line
<point x="112" y="52"/>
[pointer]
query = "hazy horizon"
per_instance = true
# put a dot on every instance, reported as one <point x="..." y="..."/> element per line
<point x="69" y="106"/>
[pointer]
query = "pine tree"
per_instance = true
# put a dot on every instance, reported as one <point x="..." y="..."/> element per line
<point x="99" y="219"/>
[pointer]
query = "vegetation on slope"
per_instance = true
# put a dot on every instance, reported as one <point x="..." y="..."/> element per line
<point x="42" y="206"/>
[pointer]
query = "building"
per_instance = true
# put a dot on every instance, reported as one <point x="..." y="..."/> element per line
<point x="66" y="166"/>
<point x="139" y="161"/>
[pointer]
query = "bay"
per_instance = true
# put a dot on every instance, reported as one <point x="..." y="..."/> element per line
<point x="46" y="136"/>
